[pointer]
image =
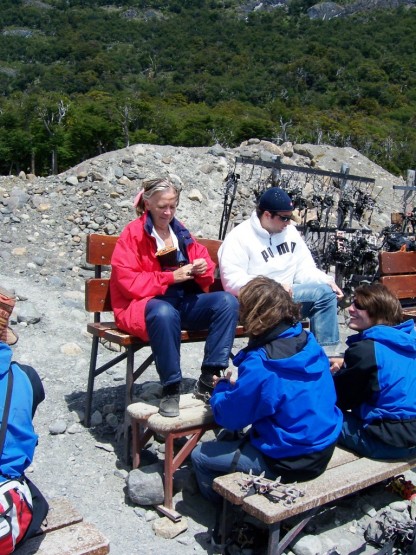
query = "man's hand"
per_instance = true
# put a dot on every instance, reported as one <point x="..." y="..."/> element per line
<point x="339" y="293"/>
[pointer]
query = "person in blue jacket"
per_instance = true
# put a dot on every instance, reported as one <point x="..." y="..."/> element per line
<point x="28" y="392"/>
<point x="284" y="391"/>
<point x="20" y="438"/>
<point x="376" y="380"/>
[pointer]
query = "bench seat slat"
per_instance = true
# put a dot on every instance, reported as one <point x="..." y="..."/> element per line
<point x="61" y="513"/>
<point x="82" y="538"/>
<point x="404" y="285"/>
<point x="110" y="332"/>
<point x="333" y="484"/>
<point x="399" y="262"/>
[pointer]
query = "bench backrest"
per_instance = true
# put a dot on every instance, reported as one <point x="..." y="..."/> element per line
<point x="398" y="273"/>
<point x="99" y="251"/>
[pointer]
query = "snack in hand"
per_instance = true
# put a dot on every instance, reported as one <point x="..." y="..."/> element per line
<point x="168" y="258"/>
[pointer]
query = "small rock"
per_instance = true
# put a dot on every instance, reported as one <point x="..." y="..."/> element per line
<point x="166" y="528"/>
<point x="71" y="349"/>
<point x="307" y="545"/>
<point x="96" y="418"/>
<point x="57" y="427"/>
<point x="75" y="428"/>
<point x="369" y="510"/>
<point x="72" y="180"/>
<point x="399" y="506"/>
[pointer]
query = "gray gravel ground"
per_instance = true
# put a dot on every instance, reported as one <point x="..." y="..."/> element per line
<point x="85" y="464"/>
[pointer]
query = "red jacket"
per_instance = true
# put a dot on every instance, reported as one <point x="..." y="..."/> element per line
<point x="136" y="274"/>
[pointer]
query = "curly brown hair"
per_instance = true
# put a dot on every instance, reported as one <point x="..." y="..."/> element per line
<point x="382" y="306"/>
<point x="264" y="303"/>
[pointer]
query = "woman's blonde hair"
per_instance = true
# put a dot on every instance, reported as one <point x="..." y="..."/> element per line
<point x="264" y="303"/>
<point x="152" y="186"/>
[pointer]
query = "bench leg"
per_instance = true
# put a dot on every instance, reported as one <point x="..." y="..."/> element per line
<point x="172" y="463"/>
<point x="127" y="401"/>
<point x="91" y="377"/>
<point x="276" y="548"/>
<point x="140" y="436"/>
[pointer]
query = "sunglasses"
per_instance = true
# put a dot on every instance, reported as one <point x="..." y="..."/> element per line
<point x="282" y="218"/>
<point x="357" y="305"/>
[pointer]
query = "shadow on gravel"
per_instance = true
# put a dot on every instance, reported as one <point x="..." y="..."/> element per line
<point x="108" y="401"/>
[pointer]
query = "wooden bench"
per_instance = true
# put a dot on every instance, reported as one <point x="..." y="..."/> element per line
<point x="397" y="271"/>
<point x="347" y="473"/>
<point x="65" y="533"/>
<point x="97" y="301"/>
<point x="194" y="419"/>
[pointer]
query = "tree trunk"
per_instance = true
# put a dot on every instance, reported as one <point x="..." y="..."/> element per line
<point x="32" y="163"/>
<point x="54" y="161"/>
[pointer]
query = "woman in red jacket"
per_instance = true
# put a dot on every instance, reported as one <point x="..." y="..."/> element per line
<point x="159" y="275"/>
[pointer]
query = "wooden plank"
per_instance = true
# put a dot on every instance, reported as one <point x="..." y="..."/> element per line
<point x="333" y="484"/>
<point x="228" y="487"/>
<point x="82" y="538"/>
<point x="342" y="456"/>
<point x="403" y="286"/>
<point x="61" y="513"/>
<point x="100" y="248"/>
<point x="336" y="482"/>
<point x="212" y="246"/>
<point x="97" y="295"/>
<point x="399" y="262"/>
<point x="142" y="409"/>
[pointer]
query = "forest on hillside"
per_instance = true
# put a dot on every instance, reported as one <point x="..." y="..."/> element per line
<point x="78" y="78"/>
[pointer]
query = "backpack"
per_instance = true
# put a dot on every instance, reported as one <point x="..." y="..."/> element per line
<point x="15" y="513"/>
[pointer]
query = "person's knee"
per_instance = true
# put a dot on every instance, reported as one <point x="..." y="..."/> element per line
<point x="161" y="312"/>
<point x="227" y="302"/>
<point x="326" y="294"/>
<point x="195" y="455"/>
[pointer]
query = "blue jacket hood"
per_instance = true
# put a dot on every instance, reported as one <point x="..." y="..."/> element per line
<point x="400" y="338"/>
<point x="5" y="358"/>
<point x="310" y="360"/>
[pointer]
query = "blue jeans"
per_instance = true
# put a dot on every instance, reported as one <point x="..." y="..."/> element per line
<point x="211" y="459"/>
<point x="167" y="315"/>
<point x="319" y="304"/>
<point x="354" y="436"/>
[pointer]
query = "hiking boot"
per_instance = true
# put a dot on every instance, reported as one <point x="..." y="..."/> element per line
<point x="204" y="387"/>
<point x="169" y="404"/>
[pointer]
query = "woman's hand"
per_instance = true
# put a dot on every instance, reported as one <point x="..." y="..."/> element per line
<point x="184" y="273"/>
<point x="199" y="266"/>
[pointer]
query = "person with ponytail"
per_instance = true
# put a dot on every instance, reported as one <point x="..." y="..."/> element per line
<point x="159" y="282"/>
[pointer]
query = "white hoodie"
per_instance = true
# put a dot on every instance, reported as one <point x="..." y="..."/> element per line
<point x="249" y="251"/>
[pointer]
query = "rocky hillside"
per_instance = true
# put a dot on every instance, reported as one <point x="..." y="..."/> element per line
<point x="44" y="221"/>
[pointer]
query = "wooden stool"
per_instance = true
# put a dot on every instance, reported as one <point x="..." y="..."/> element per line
<point x="194" y="420"/>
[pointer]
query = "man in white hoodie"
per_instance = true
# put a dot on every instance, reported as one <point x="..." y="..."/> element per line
<point x="269" y="245"/>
